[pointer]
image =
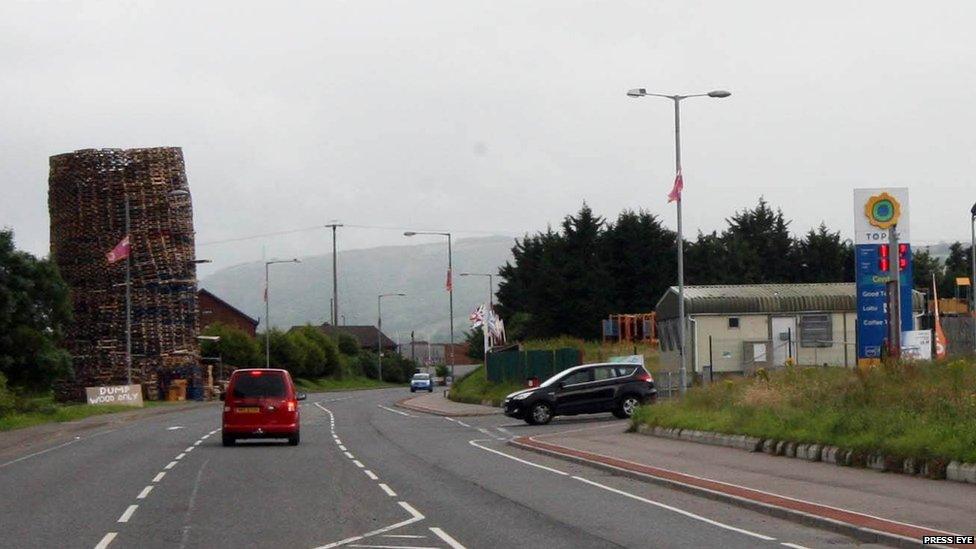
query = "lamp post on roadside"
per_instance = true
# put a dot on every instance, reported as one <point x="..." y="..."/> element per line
<point x="379" y="332"/>
<point x="641" y="92"/>
<point x="450" y="286"/>
<point x="334" y="305"/>
<point x="491" y="286"/>
<point x="267" y="307"/>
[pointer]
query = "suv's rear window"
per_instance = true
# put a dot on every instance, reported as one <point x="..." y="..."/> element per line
<point x="264" y="385"/>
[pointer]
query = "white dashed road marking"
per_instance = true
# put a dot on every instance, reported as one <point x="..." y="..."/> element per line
<point x="145" y="492"/>
<point x="371" y="475"/>
<point x="106" y="540"/>
<point x="128" y="513"/>
<point x="394" y="411"/>
<point x="170" y="465"/>
<point x="158" y="477"/>
<point x="388" y="491"/>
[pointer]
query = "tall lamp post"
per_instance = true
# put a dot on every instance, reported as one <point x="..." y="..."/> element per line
<point x="972" y="274"/>
<point x="379" y="331"/>
<point x="641" y="92"/>
<point x="450" y="286"/>
<point x="267" y="307"/>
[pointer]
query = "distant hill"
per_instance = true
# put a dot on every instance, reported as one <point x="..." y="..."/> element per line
<point x="300" y="293"/>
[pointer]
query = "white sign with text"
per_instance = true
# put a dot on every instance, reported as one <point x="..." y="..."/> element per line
<point x="127" y="395"/>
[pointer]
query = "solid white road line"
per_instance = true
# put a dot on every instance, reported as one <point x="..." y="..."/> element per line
<point x="371" y="475"/>
<point x="175" y="427"/>
<point x="414" y="517"/>
<point x="159" y="477"/>
<point x="28" y="456"/>
<point x="170" y="465"/>
<point x="394" y="411"/>
<point x="388" y="491"/>
<point x="145" y="492"/>
<point x="358" y="463"/>
<point x="676" y="510"/>
<point x="447" y="539"/>
<point x="348" y="455"/>
<point x="181" y="456"/>
<point x="520" y="460"/>
<point x="406" y="536"/>
<point x="128" y="513"/>
<point x="106" y="540"/>
<point x="794" y="546"/>
<point x="393" y="546"/>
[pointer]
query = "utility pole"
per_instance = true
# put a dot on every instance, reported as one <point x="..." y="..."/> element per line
<point x="334" y="313"/>
<point x="128" y="299"/>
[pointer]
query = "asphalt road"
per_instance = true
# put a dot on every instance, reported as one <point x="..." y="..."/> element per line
<point x="366" y="474"/>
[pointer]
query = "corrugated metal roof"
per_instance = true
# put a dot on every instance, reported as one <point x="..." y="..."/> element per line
<point x="764" y="298"/>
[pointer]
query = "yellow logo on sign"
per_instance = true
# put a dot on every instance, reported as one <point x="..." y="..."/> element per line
<point x="882" y="211"/>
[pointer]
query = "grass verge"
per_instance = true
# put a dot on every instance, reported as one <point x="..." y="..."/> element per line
<point x="475" y="388"/>
<point x="921" y="410"/>
<point x="38" y="410"/>
<point x="329" y="384"/>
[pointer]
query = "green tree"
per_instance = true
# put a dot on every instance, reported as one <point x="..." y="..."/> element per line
<point x="821" y="256"/>
<point x="235" y="348"/>
<point x="34" y="311"/>
<point x="639" y="254"/>
<point x="957" y="265"/>
<point x="759" y="246"/>
<point x="475" y="339"/>
<point x="924" y="266"/>
<point x="348" y="345"/>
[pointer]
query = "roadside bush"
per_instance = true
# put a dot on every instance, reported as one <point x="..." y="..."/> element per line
<point x="347" y="344"/>
<point x="320" y="353"/>
<point x="236" y="347"/>
<point x="7" y="401"/>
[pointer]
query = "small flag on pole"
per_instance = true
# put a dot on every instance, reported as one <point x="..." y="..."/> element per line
<point x="120" y="251"/>
<point x="675" y="193"/>
<point x="449" y="285"/>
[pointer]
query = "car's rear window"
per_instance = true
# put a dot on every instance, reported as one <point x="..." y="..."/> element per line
<point x="264" y="385"/>
<point x="421" y="376"/>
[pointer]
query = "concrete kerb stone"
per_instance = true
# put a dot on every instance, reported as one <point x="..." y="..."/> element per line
<point x="955" y="471"/>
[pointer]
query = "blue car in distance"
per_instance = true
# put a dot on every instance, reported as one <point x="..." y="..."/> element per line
<point x="422" y="382"/>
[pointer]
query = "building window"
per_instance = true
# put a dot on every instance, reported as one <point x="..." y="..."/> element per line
<point x="816" y="330"/>
<point x="733" y="322"/>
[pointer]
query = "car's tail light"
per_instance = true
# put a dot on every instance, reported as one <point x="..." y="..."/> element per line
<point x="292" y="405"/>
<point x="645" y="377"/>
<point x="256" y="372"/>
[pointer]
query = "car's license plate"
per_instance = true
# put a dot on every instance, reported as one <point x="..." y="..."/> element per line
<point x="248" y="410"/>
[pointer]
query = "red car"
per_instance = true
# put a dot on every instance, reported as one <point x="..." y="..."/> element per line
<point x="261" y="403"/>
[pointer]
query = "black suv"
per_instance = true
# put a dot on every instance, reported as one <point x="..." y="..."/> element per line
<point x="587" y="389"/>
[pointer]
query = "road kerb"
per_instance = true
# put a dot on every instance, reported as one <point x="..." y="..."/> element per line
<point x="863" y="527"/>
<point x="403" y="403"/>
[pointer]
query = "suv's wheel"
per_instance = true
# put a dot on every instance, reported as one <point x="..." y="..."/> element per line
<point x="228" y="440"/>
<point x="294" y="439"/>
<point x="628" y="405"/>
<point x="539" y="414"/>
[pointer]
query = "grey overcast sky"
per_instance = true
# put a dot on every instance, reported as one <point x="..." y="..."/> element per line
<point x="495" y="116"/>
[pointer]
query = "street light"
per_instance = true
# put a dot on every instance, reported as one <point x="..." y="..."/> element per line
<point x="379" y="331"/>
<point x="267" y="307"/>
<point x="450" y="286"/>
<point x="641" y="92"/>
<point x="491" y="286"/>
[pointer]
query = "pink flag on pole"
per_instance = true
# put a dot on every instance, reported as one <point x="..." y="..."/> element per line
<point x="120" y="251"/>
<point x="675" y="193"/>
<point x="449" y="286"/>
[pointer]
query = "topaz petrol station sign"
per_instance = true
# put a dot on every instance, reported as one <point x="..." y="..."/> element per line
<point x="876" y="212"/>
